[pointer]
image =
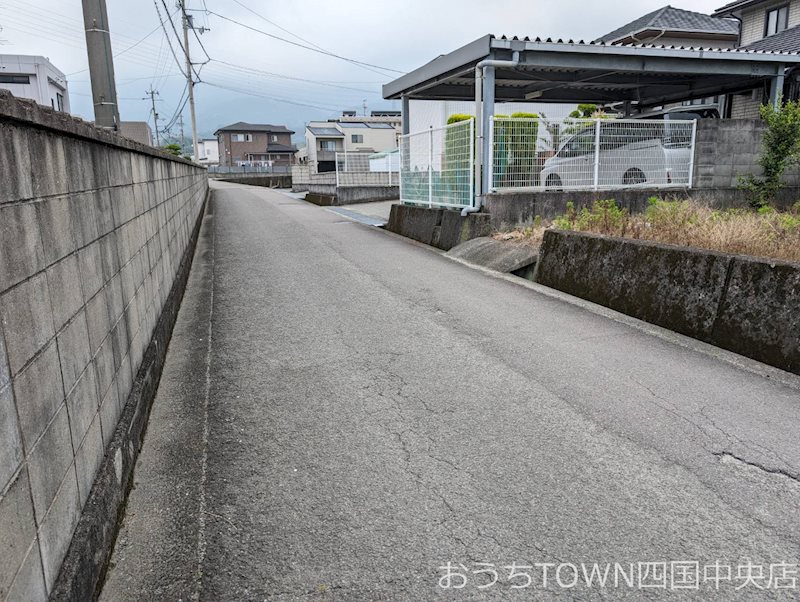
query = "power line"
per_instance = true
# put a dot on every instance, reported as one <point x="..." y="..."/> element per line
<point x="289" y="77"/>
<point x="276" y="99"/>
<point x="260" y="16"/>
<point x="166" y="33"/>
<point x="311" y="48"/>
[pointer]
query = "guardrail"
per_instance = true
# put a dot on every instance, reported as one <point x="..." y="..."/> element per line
<point x="591" y="154"/>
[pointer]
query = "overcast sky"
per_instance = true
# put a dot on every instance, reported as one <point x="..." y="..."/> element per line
<point x="397" y="34"/>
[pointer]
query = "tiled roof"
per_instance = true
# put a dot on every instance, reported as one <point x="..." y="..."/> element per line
<point x="241" y="126"/>
<point x="280" y="148"/>
<point x="674" y="19"/>
<point x="785" y="41"/>
<point x="703" y="47"/>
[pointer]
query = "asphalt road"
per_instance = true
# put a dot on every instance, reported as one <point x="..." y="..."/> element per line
<point x="343" y="412"/>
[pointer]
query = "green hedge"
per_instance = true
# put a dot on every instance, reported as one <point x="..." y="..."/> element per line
<point x="515" y="161"/>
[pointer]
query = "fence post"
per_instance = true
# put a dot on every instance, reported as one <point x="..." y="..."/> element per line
<point x="430" y="168"/>
<point x="336" y="161"/>
<point x="471" y="142"/>
<point x="400" y="173"/>
<point x="597" y="155"/>
<point x="691" y="154"/>
<point x="492" y="151"/>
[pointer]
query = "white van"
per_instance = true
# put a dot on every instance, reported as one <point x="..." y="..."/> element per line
<point x="652" y="152"/>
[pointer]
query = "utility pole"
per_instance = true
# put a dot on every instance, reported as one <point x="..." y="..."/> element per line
<point x="189" y="78"/>
<point x="152" y="94"/>
<point x="182" y="135"/>
<point x="101" y="64"/>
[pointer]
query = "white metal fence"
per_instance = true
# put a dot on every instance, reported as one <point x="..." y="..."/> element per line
<point x="436" y="166"/>
<point x="367" y="169"/>
<point x="591" y="154"/>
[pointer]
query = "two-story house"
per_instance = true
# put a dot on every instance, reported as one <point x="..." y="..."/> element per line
<point x="351" y="133"/>
<point x="672" y="26"/>
<point x="771" y="25"/>
<point x="255" y="144"/>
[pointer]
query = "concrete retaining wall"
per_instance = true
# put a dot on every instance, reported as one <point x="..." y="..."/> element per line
<point x="93" y="231"/>
<point x="255" y="180"/>
<point x="441" y="228"/>
<point x="350" y="195"/>
<point x="743" y="304"/>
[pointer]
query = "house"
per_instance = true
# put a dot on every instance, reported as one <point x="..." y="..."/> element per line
<point x="351" y="133"/>
<point x="36" y="78"/>
<point x="677" y="27"/>
<point x="138" y="131"/>
<point x="255" y="144"/>
<point x="670" y="26"/>
<point x="208" y="151"/>
<point x="766" y="25"/>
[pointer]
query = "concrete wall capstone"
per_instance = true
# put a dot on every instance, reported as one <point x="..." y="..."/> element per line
<point x="93" y="229"/>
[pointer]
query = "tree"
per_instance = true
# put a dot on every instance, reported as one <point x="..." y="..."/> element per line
<point x="172" y="149"/>
<point x="587" y="111"/>
<point x="780" y="149"/>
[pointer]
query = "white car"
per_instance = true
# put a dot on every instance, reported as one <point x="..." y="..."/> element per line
<point x="632" y="153"/>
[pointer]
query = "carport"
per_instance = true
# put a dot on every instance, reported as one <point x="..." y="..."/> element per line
<point x="505" y="69"/>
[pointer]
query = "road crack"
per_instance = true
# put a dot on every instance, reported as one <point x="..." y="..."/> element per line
<point x="773" y="471"/>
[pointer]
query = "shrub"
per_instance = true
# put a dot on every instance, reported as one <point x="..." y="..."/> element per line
<point x="455" y="162"/>
<point x="780" y="149"/>
<point x="457" y="117"/>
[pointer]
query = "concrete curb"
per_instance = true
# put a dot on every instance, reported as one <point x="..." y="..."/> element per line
<point x="729" y="357"/>
<point x="86" y="562"/>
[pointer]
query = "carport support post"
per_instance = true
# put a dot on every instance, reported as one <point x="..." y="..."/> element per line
<point x="597" y="154"/>
<point x="430" y="168"/>
<point x="776" y="87"/>
<point x="406" y="109"/>
<point x="487" y="113"/>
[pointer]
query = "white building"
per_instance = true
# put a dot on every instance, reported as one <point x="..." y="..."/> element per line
<point x="36" y="78"/>
<point x="351" y="134"/>
<point x="208" y="151"/>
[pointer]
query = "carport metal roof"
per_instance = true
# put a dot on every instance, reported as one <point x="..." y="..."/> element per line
<point x="568" y="71"/>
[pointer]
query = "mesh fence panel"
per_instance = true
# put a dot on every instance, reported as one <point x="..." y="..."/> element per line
<point x="591" y="154"/>
<point x="436" y="166"/>
<point x="367" y="169"/>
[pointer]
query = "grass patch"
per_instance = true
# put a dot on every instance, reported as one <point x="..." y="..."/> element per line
<point x="763" y="233"/>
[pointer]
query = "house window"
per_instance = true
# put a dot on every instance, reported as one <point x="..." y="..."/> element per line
<point x="60" y="101"/>
<point x="357" y="138"/>
<point x="327" y="145"/>
<point x="777" y="20"/>
<point x="274" y="138"/>
<point x="14" y="79"/>
<point x="241" y="137"/>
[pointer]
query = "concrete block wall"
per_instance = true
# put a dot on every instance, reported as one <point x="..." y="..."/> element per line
<point x="729" y="148"/>
<point x="92" y="230"/>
